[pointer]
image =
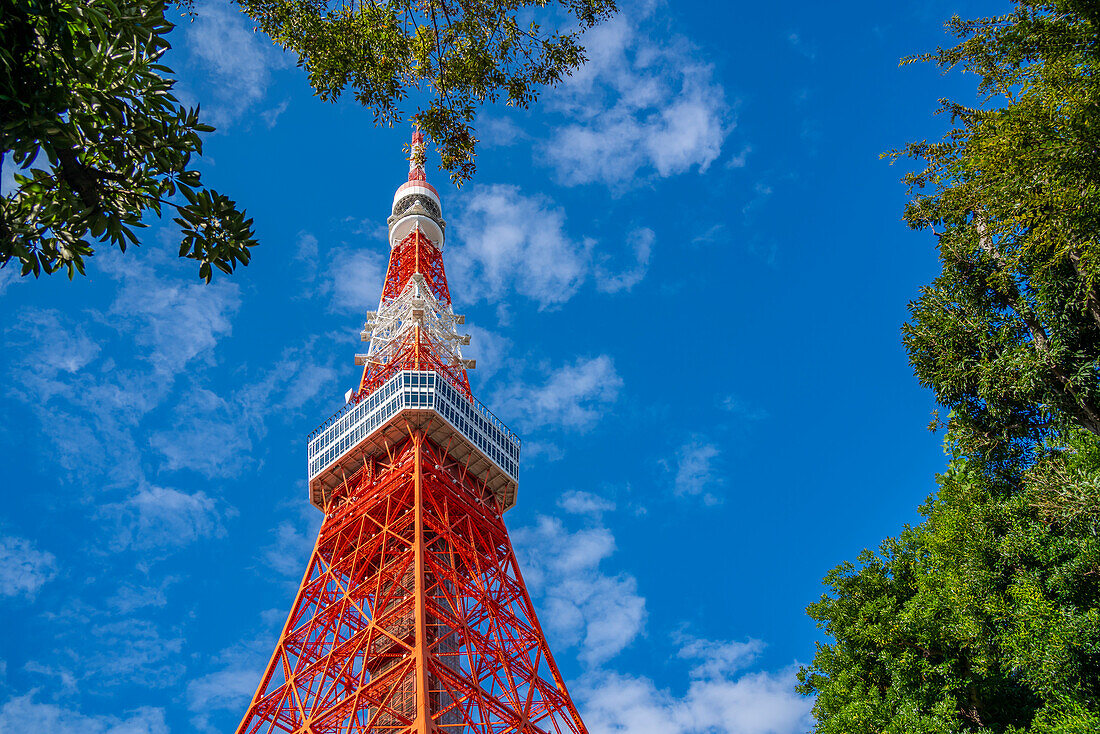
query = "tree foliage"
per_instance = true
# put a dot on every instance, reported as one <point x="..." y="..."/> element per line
<point x="457" y="54"/>
<point x="88" y="117"/>
<point x="1008" y="336"/>
<point x="986" y="616"/>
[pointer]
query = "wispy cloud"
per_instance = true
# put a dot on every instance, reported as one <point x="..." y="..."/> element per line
<point x="233" y="61"/>
<point x="24" y="714"/>
<point x="571" y="396"/>
<point x="228" y="689"/>
<point x="236" y="672"/>
<point x="715" y="702"/>
<point x="715" y="659"/>
<point x="9" y="276"/>
<point x="581" y="604"/>
<point x="512" y="241"/>
<point x="292" y="543"/>
<point x="509" y="241"/>
<point x="695" y="471"/>
<point x="161" y="518"/>
<point x="353" y="281"/>
<point x="743" y="410"/>
<point x="175" y="321"/>
<point x="491" y="350"/>
<point x="577" y="502"/>
<point x="641" y="243"/>
<point x="130" y="596"/>
<point x="109" y="384"/>
<point x="24" y="567"/>
<point x="132" y="650"/>
<point x="648" y="105"/>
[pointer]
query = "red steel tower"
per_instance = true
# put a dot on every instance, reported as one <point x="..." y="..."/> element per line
<point x="412" y="616"/>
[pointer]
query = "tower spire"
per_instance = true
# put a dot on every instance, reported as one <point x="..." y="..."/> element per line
<point x="413" y="617"/>
<point x="416" y="156"/>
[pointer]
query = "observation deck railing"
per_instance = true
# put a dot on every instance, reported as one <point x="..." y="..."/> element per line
<point x="415" y="390"/>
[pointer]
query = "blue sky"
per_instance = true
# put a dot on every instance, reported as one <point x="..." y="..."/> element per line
<point x="685" y="274"/>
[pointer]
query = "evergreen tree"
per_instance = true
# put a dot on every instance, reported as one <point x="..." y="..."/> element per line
<point x="99" y="142"/>
<point x="451" y="56"/>
<point x="986" y="617"/>
<point x="88" y="117"/>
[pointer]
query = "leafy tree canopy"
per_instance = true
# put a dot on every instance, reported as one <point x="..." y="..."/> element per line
<point x="1008" y="336"/>
<point x="457" y="54"/>
<point x="986" y="616"/>
<point x="88" y="117"/>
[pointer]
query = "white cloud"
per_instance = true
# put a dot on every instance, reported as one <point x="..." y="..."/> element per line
<point x="132" y="596"/>
<point x="512" y="241"/>
<point x="56" y="345"/>
<point x="229" y="689"/>
<point x="239" y="668"/>
<point x="160" y="518"/>
<point x="578" y="602"/>
<point x="178" y="322"/>
<point x="132" y="650"/>
<point x="717" y="659"/>
<point x="107" y="385"/>
<point x="695" y="470"/>
<point x="234" y="61"/>
<point x="743" y="410"/>
<point x="577" y="502"/>
<point x="573" y="396"/>
<point x="545" y="450"/>
<point x="9" y="275"/>
<point x="289" y="552"/>
<point x="24" y="568"/>
<point x="490" y="349"/>
<point x="306" y="256"/>
<point x="23" y="714"/>
<point x="500" y="131"/>
<point x="641" y="242"/>
<point x="754" y="703"/>
<point x="739" y="160"/>
<point x="762" y="191"/>
<point x="208" y="437"/>
<point x="647" y="107"/>
<point x="271" y="116"/>
<point x="354" y="280"/>
<point x="582" y="605"/>
<point x="214" y="434"/>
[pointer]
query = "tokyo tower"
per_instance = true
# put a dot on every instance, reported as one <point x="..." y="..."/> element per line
<point x="412" y="616"/>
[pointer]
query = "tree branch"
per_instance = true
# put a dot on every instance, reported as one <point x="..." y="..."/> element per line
<point x="1087" y="414"/>
<point x="1092" y="294"/>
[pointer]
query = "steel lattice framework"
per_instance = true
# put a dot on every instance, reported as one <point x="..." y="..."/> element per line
<point x="412" y="616"/>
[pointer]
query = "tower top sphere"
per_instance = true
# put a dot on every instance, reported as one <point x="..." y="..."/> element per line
<point x="416" y="204"/>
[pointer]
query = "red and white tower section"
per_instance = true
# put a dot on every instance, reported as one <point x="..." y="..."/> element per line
<point x="412" y="616"/>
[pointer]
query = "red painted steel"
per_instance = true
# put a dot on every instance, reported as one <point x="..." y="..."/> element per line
<point x="412" y="616"/>
<point x="414" y="254"/>
<point x="412" y="601"/>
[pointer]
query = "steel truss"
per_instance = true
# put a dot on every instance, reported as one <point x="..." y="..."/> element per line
<point x="412" y="616"/>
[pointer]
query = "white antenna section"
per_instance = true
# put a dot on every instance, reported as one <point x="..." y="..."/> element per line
<point x="389" y="328"/>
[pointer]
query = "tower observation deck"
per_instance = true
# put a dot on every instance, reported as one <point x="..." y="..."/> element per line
<point x="412" y="616"/>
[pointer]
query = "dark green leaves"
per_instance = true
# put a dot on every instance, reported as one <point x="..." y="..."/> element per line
<point x="98" y="139"/>
<point x="986" y="617"/>
<point x="455" y="55"/>
<point x="214" y="232"/>
<point x="1009" y="335"/>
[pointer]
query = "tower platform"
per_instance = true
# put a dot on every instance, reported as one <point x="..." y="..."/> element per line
<point x="414" y="400"/>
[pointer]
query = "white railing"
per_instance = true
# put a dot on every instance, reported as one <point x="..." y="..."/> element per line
<point x="414" y="390"/>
